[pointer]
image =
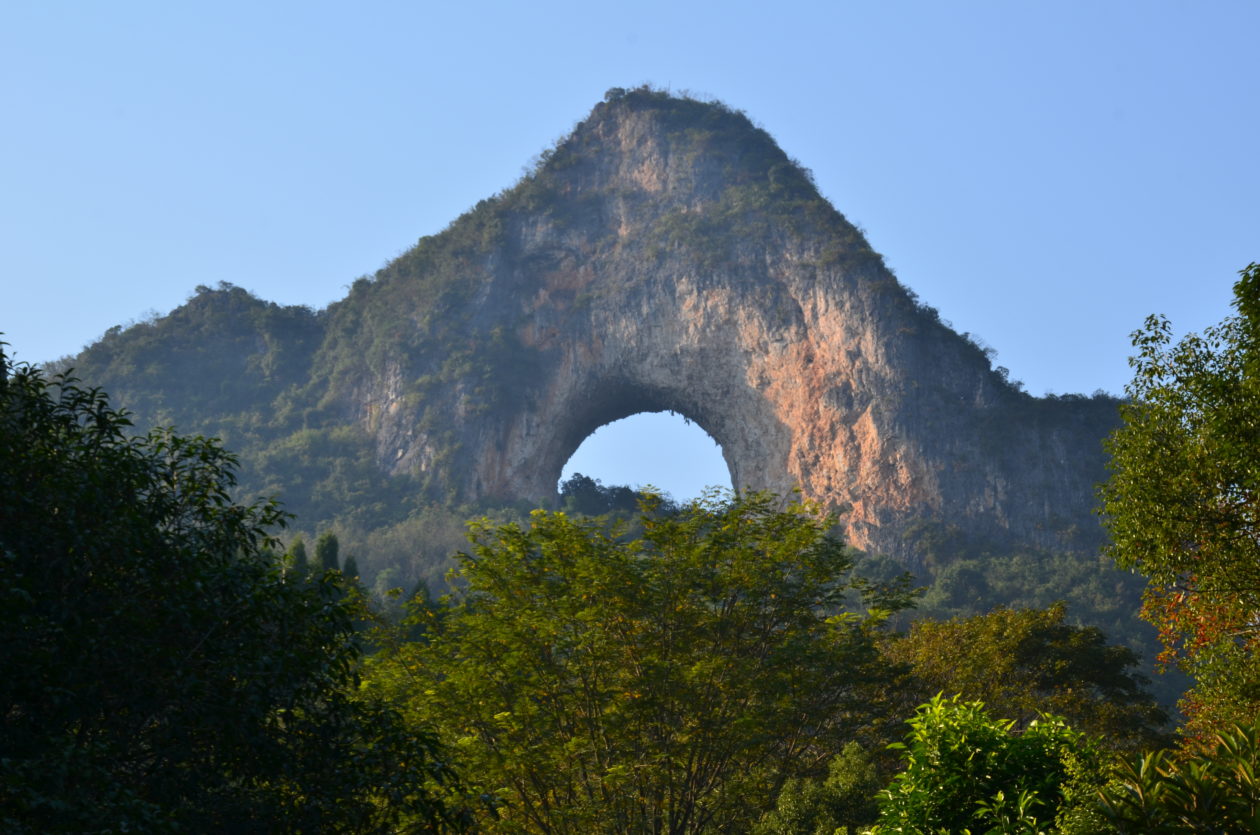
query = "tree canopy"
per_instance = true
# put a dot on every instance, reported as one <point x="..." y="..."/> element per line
<point x="669" y="683"/>
<point x="1182" y="502"/>
<point x="1025" y="663"/>
<point x="159" y="673"/>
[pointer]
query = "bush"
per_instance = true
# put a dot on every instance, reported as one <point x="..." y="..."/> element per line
<point x="1212" y="790"/>
<point x="965" y="770"/>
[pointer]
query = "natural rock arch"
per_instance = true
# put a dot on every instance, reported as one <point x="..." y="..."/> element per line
<point x="667" y="255"/>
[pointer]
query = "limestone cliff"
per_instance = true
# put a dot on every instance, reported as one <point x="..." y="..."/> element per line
<point x="668" y="255"/>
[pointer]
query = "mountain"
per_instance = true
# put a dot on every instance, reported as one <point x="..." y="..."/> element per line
<point x="665" y="255"/>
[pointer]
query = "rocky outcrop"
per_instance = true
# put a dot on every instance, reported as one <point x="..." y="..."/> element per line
<point x="668" y="256"/>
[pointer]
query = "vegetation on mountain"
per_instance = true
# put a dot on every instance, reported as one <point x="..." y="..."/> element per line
<point x="1181" y="503"/>
<point x="1028" y="662"/>
<point x="159" y="672"/>
<point x="964" y="577"/>
<point x="589" y="497"/>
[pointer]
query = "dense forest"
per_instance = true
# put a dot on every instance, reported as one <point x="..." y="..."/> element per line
<point x="721" y="665"/>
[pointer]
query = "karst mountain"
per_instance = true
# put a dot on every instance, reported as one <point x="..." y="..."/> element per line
<point x="666" y="255"/>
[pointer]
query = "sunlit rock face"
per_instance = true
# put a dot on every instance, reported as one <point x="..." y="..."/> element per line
<point x="667" y="255"/>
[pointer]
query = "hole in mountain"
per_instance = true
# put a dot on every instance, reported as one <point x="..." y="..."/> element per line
<point x="663" y="449"/>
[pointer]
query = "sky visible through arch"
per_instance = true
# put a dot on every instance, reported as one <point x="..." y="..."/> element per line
<point x="1046" y="174"/>
<point x="660" y="449"/>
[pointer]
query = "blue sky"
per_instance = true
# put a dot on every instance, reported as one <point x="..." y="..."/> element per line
<point x="1044" y="173"/>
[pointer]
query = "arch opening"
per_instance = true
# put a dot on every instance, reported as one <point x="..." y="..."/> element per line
<point x="664" y="449"/>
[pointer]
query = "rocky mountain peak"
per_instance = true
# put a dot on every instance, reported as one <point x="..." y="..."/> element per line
<point x="667" y="255"/>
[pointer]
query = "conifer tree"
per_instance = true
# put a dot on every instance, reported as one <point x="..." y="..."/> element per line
<point x="327" y="551"/>
<point x="296" y="562"/>
<point x="351" y="568"/>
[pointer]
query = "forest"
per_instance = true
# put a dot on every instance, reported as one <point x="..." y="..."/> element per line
<point x="174" y="662"/>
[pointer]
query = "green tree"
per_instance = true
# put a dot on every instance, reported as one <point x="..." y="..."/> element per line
<point x="586" y="495"/>
<point x="158" y="673"/>
<point x="669" y="683"/>
<point x="1025" y="662"/>
<point x="967" y="772"/>
<point x="298" y="564"/>
<point x="351" y="568"/>
<point x="328" y="552"/>
<point x="1183" y="502"/>
<point x="842" y="802"/>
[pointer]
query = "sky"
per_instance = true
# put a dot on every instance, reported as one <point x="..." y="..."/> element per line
<point x="1046" y="174"/>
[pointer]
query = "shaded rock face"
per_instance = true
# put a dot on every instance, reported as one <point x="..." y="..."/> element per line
<point x="667" y="256"/>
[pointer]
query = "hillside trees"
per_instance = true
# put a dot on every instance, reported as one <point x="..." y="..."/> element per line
<point x="669" y="683"/>
<point x="1024" y="663"/>
<point x="1183" y="502"/>
<point x="583" y="494"/>
<point x="158" y="673"/>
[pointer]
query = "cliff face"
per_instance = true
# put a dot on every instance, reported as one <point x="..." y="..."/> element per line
<point x="667" y="255"/>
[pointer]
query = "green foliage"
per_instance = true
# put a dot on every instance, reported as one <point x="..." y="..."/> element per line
<point x="223" y="352"/>
<point x="586" y="495"/>
<point x="297" y="563"/>
<point x="1024" y="663"/>
<point x="1181" y="502"/>
<point x="966" y="771"/>
<point x="351" y="568"/>
<point x="666" y="683"/>
<point x="841" y="802"/>
<point x="159" y="673"/>
<point x="328" y="551"/>
<point x="1216" y="789"/>
<point x="966" y="577"/>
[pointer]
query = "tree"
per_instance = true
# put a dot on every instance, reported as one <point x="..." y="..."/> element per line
<point x="669" y="683"/>
<point x="351" y="569"/>
<point x="586" y="495"/>
<point x="1183" y="502"/>
<point x="159" y="674"/>
<point x="843" y="801"/>
<point x="1023" y="663"/>
<point x="328" y="552"/>
<point x="967" y="772"/>
<point x="298" y="564"/>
